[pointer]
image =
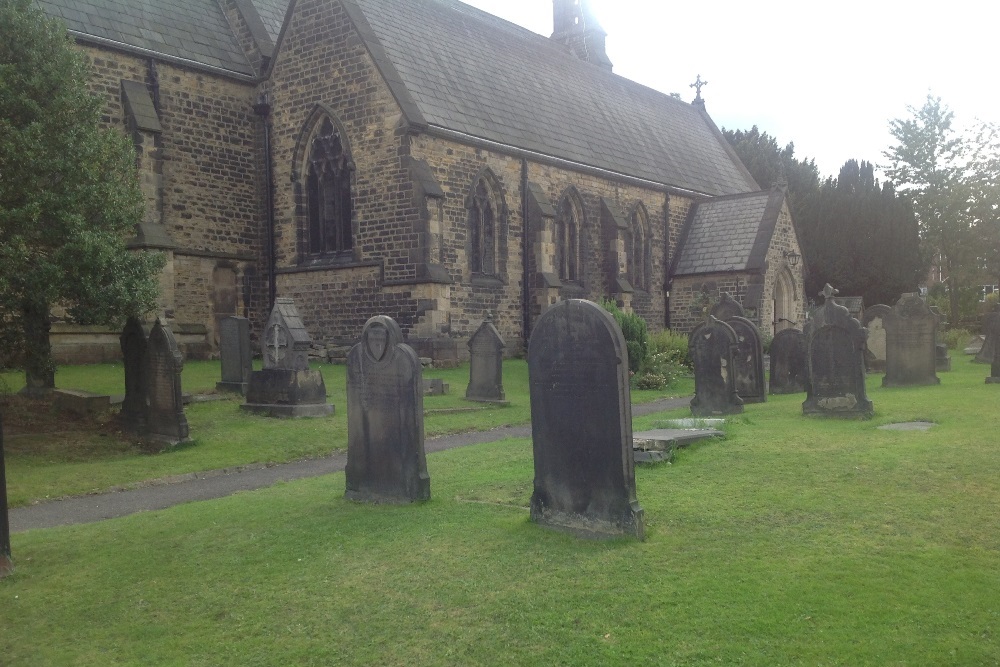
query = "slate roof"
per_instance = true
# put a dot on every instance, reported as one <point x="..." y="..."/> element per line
<point x="468" y="71"/>
<point x="272" y="13"/>
<point x="193" y="30"/>
<point x="729" y="233"/>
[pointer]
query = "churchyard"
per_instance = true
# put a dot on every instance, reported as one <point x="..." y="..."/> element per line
<point x="794" y="540"/>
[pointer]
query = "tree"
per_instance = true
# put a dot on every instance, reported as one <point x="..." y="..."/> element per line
<point x="769" y="164"/>
<point x="69" y="195"/>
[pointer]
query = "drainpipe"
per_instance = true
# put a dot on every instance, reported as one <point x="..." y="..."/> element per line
<point x="263" y="109"/>
<point x="525" y="293"/>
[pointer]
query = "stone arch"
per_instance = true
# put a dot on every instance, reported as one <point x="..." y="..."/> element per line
<point x="568" y="235"/>
<point x="639" y="248"/>
<point x="486" y="228"/>
<point x="784" y="299"/>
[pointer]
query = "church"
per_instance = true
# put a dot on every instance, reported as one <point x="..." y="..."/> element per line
<point x="420" y="159"/>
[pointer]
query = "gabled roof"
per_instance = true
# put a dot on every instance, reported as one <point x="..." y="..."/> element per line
<point x="729" y="233"/>
<point x="272" y="13"/>
<point x="190" y="30"/>
<point x="463" y="70"/>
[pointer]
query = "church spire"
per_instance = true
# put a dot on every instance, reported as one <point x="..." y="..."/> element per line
<point x="574" y="24"/>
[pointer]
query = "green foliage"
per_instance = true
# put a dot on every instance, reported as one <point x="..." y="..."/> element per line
<point x="966" y="300"/>
<point x="956" y="338"/>
<point x="69" y="193"/>
<point x="636" y="335"/>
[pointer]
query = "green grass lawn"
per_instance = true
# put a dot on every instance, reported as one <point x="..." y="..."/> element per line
<point x="794" y="541"/>
<point x="71" y="461"/>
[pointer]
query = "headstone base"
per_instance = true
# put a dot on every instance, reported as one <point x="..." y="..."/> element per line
<point x="236" y="387"/>
<point x="435" y="387"/>
<point x="361" y="496"/>
<point x="578" y="525"/>
<point x="993" y="380"/>
<point x="282" y="410"/>
<point x="279" y="392"/>
<point x="499" y="404"/>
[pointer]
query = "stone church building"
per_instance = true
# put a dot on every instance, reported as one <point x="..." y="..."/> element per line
<point x="419" y="159"/>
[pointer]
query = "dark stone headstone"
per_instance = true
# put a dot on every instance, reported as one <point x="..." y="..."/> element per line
<point x="486" y="365"/>
<point x="748" y="361"/>
<point x="835" y="344"/>
<point x="286" y="387"/>
<point x="235" y="354"/>
<point x="165" y="420"/>
<point x="711" y="347"/>
<point x="788" y="362"/>
<point x="942" y="358"/>
<point x="6" y="562"/>
<point x="385" y="418"/>
<point x="985" y="354"/>
<point x="993" y="330"/>
<point x="727" y="308"/>
<point x="581" y="423"/>
<point x="133" y="344"/>
<point x="910" y="336"/>
<point x="874" y="321"/>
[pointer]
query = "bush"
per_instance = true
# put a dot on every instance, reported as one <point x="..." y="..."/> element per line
<point x="957" y="338"/>
<point x="636" y="335"/>
<point x="675" y="345"/>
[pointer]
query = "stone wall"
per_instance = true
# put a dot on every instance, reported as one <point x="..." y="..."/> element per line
<point x="690" y="294"/>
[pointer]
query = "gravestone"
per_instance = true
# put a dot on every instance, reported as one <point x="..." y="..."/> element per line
<point x="974" y="345"/>
<point x="133" y="344"/>
<point x="165" y="420"/>
<point x="385" y="418"/>
<point x="581" y="423"/>
<point x="748" y="361"/>
<point x="910" y="337"/>
<point x="6" y="562"/>
<point x="788" y="362"/>
<point x="711" y="347"/>
<point x="486" y="365"/>
<point x="985" y="354"/>
<point x="835" y="344"/>
<point x="993" y="330"/>
<point x="235" y="354"/>
<point x="726" y="308"/>
<point x="942" y="358"/>
<point x="286" y="386"/>
<point x="874" y="321"/>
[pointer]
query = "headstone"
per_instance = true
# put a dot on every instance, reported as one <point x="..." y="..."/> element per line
<point x="974" y="345"/>
<point x="133" y="344"/>
<point x="486" y="365"/>
<point x="788" y="362"/>
<point x="385" y="418"/>
<point x="165" y="420"/>
<point x="985" y="354"/>
<point x="711" y="347"/>
<point x="748" y="361"/>
<point x="726" y="308"/>
<point x="910" y="336"/>
<point x="993" y="331"/>
<point x="835" y="344"/>
<point x="874" y="321"/>
<point x="855" y="305"/>
<point x="435" y="386"/>
<point x="942" y="358"/>
<point x="286" y="386"/>
<point x="235" y="354"/>
<point x="6" y="562"/>
<point x="581" y="423"/>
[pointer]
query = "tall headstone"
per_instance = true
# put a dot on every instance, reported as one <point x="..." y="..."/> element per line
<point x="385" y="418"/>
<point x="165" y="420"/>
<point x="788" y="362"/>
<point x="910" y="337"/>
<point x="711" y="347"/>
<point x="748" y="361"/>
<point x="835" y="345"/>
<point x="6" y="562"/>
<point x="874" y="321"/>
<point x="726" y="308"/>
<point x="943" y="359"/>
<point x="133" y="344"/>
<point x="985" y="354"/>
<point x="235" y="354"/>
<point x="993" y="329"/>
<point x="581" y="423"/>
<point x="286" y="386"/>
<point x="486" y="365"/>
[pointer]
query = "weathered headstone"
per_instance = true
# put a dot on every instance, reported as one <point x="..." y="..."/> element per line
<point x="286" y="386"/>
<point x="985" y="354"/>
<point x="711" y="347"/>
<point x="235" y="354"/>
<point x="874" y="321"/>
<point x="942" y="358"/>
<point x="6" y="562"/>
<point x="165" y="420"/>
<point x="788" y="362"/>
<point x="835" y="344"/>
<point x="748" y="361"/>
<point x="974" y="345"/>
<point x="726" y="308"/>
<point x="581" y="423"/>
<point x="486" y="365"/>
<point x="910" y="336"/>
<point x="993" y="330"/>
<point x="133" y="344"/>
<point x="385" y="418"/>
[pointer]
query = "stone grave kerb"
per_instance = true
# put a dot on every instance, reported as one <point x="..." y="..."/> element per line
<point x="286" y="340"/>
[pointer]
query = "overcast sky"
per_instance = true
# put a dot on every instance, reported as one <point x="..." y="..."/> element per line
<point x="827" y="76"/>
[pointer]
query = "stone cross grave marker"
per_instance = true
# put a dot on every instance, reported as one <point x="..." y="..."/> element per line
<point x="748" y="361"/>
<point x="486" y="365"/>
<point x="835" y="344"/>
<point x="385" y="418"/>
<point x="581" y="423"/>
<point x="726" y="308"/>
<point x="6" y="561"/>
<point x="235" y="354"/>
<point x="910" y="338"/>
<point x="874" y="321"/>
<point x="133" y="344"/>
<point x="788" y="362"/>
<point x="993" y="329"/>
<point x="711" y="347"/>
<point x="165" y="420"/>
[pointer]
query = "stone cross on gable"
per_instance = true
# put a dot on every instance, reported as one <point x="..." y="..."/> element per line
<point x="698" y="85"/>
<point x="828" y="292"/>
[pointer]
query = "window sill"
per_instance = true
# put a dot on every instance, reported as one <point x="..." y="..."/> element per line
<point x="483" y="280"/>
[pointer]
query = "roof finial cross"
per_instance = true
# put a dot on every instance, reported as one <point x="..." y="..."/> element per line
<point x="698" y="85"/>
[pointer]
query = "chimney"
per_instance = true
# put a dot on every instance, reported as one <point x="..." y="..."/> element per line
<point x="574" y="24"/>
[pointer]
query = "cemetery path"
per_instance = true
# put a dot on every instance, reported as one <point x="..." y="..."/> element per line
<point x="160" y="494"/>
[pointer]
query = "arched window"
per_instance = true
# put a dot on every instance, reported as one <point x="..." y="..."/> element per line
<point x="482" y="230"/>
<point x="328" y="193"/>
<point x="567" y="241"/>
<point x="637" y="247"/>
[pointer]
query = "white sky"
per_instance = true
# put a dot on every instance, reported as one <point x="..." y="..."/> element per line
<point x="827" y="76"/>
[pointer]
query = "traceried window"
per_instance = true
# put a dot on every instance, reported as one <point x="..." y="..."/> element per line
<point x="328" y="188"/>
<point x="567" y="241"/>
<point x="483" y="230"/>
<point x="637" y="247"/>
